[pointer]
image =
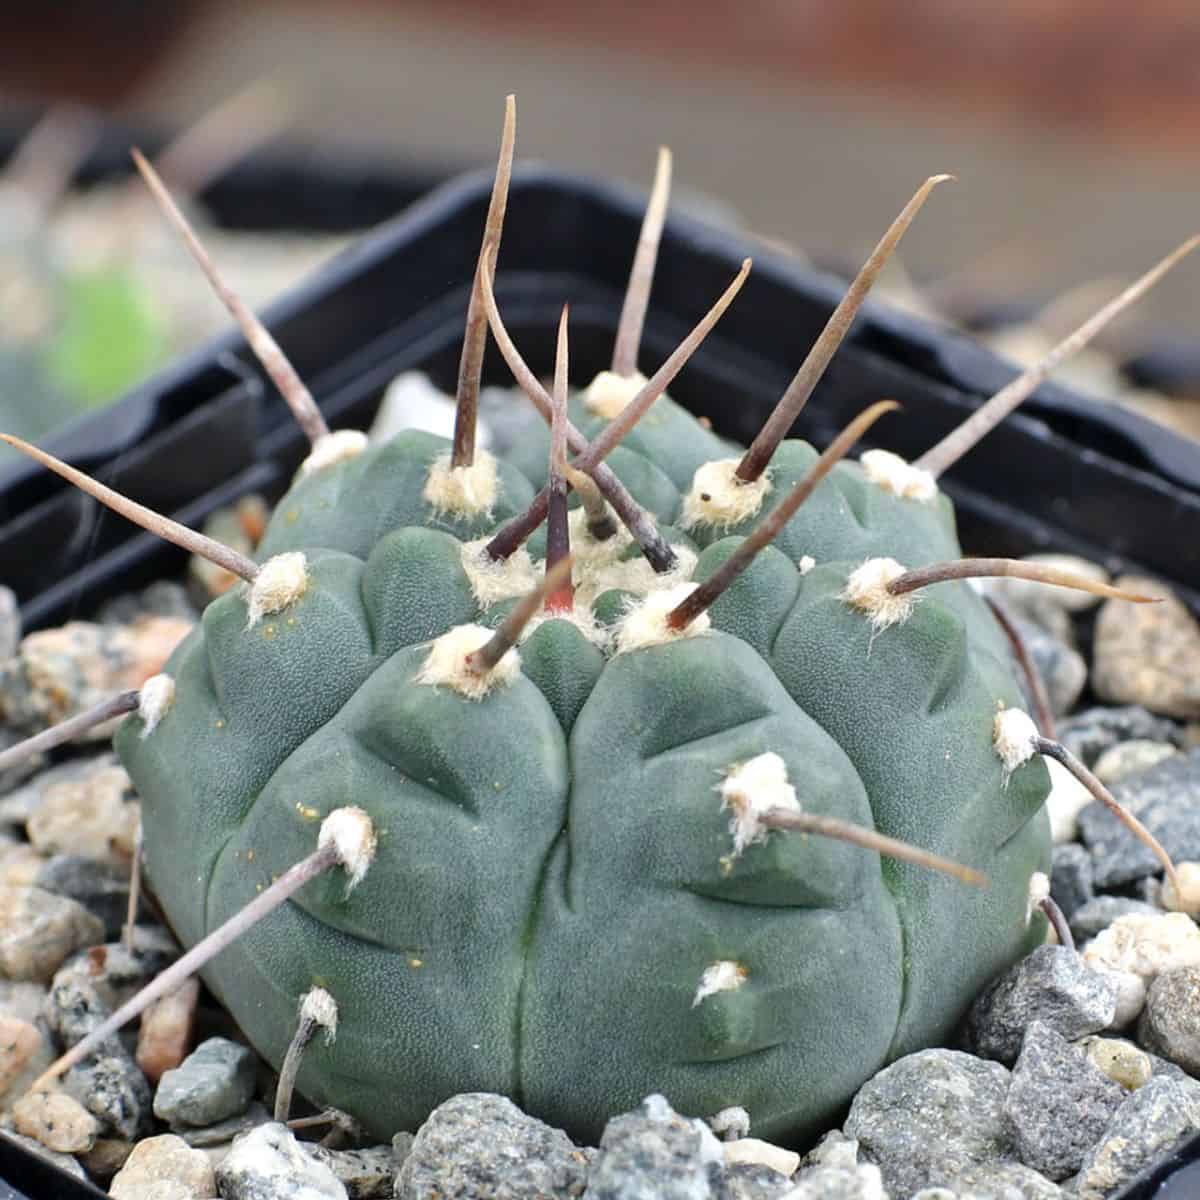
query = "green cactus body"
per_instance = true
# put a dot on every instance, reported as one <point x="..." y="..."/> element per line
<point x="352" y="504"/>
<point x="562" y="907"/>
<point x="666" y="446"/>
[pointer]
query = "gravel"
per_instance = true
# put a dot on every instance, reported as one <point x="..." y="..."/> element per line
<point x="929" y="1114"/>
<point x="1166" y="798"/>
<point x="1059" y="1103"/>
<point x="214" y="1082"/>
<point x="1079" y="1107"/>
<point x="479" y="1145"/>
<point x="1052" y="985"/>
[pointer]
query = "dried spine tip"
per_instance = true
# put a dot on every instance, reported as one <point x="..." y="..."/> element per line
<point x="470" y="365"/>
<point x="641" y="275"/>
<point x="1063" y="756"/>
<point x="750" y="789"/>
<point x="558" y="534"/>
<point x="281" y="581"/>
<point x="1014" y="736"/>
<point x="718" y="499"/>
<point x="869" y="839"/>
<point x="71" y="728"/>
<point x="756" y="458"/>
<point x="317" y="1008"/>
<point x="154" y="701"/>
<point x="332" y="448"/>
<point x="648" y="622"/>
<point x="981" y="422"/>
<point x="609" y="394"/>
<point x="347" y="839"/>
<point x="265" y="348"/>
<point x="447" y="663"/>
<point x="890" y="472"/>
<point x="163" y="527"/>
<point x="1016" y="568"/>
<point x="469" y="490"/>
<point x="639" y="523"/>
<point x="768" y="529"/>
<point x="723" y="976"/>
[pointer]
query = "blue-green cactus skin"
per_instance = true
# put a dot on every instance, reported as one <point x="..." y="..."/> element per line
<point x="555" y="870"/>
<point x="353" y="504"/>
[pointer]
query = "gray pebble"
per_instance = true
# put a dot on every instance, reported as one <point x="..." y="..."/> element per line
<point x="22" y="999"/>
<point x="998" y="1181"/>
<point x="479" y="1145"/>
<point x="365" y="1174"/>
<point x="837" y="1183"/>
<point x="217" y="1134"/>
<point x="754" y="1181"/>
<point x="268" y="1163"/>
<point x="102" y="888"/>
<point x="1146" y="1126"/>
<point x="1072" y="883"/>
<point x="1053" y="985"/>
<point x="402" y="1144"/>
<point x="215" y="1081"/>
<point x="165" y="598"/>
<point x="40" y="931"/>
<point x="1130" y="758"/>
<point x="1170" y="1022"/>
<point x="1089" y="733"/>
<point x="19" y="804"/>
<point x="1101" y="911"/>
<point x="653" y="1153"/>
<point x="1059" y="1103"/>
<point x="17" y="772"/>
<point x="75" y="1006"/>
<point x="1148" y="654"/>
<point x="10" y="623"/>
<point x="112" y="1088"/>
<point x="109" y="1083"/>
<point x="928" y="1113"/>
<point x="1062" y="669"/>
<point x="1166" y="798"/>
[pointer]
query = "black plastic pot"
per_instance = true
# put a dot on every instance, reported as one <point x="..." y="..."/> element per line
<point x="1065" y="474"/>
<point x="28" y="1176"/>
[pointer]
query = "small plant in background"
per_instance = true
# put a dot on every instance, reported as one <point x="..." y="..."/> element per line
<point x="85" y="318"/>
<point x="692" y="788"/>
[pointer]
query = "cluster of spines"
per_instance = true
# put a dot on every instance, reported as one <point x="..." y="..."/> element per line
<point x="473" y="659"/>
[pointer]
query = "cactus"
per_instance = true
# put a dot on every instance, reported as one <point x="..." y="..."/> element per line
<point x="649" y="826"/>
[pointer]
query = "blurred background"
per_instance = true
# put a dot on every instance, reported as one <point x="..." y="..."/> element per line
<point x="1071" y="124"/>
